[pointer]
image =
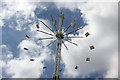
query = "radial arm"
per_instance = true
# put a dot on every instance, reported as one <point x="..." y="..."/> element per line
<point x="64" y="45"/>
<point x="46" y="38"/>
<point x="74" y="30"/>
<point x="45" y="32"/>
<point x="61" y="22"/>
<point x="51" y="43"/>
<point x="54" y="22"/>
<point x="47" y="26"/>
<point x="74" y="37"/>
<point x="67" y="28"/>
<point x="71" y="42"/>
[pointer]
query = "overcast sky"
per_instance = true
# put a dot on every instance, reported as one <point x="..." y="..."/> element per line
<point x="18" y="18"/>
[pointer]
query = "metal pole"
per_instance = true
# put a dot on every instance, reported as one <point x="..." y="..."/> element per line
<point x="58" y="51"/>
<point x="61" y="22"/>
<point x="57" y="60"/>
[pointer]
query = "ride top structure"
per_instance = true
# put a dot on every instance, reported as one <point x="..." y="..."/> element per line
<point x="59" y="36"/>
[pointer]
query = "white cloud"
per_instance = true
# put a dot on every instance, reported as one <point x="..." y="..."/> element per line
<point x="20" y="10"/>
<point x="102" y="25"/>
<point x="5" y="53"/>
<point x="113" y="70"/>
<point x="34" y="49"/>
<point x="22" y="67"/>
<point x="5" y="56"/>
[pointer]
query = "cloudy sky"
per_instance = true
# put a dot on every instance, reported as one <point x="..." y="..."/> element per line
<point x="18" y="18"/>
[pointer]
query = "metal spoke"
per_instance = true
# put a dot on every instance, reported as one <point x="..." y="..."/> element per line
<point x="50" y="43"/>
<point x="55" y="25"/>
<point x="46" y="38"/>
<point x="67" y="28"/>
<point x="74" y="30"/>
<point x="51" y="17"/>
<point x="64" y="45"/>
<point x="54" y="22"/>
<point x="47" y="26"/>
<point x="45" y="32"/>
<point x="71" y="42"/>
<point x="61" y="22"/>
<point x="72" y="24"/>
<point x="74" y="37"/>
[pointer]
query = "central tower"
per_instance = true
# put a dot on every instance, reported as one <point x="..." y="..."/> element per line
<point x="59" y="35"/>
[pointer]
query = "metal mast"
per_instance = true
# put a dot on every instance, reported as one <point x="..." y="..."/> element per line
<point x="59" y="36"/>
